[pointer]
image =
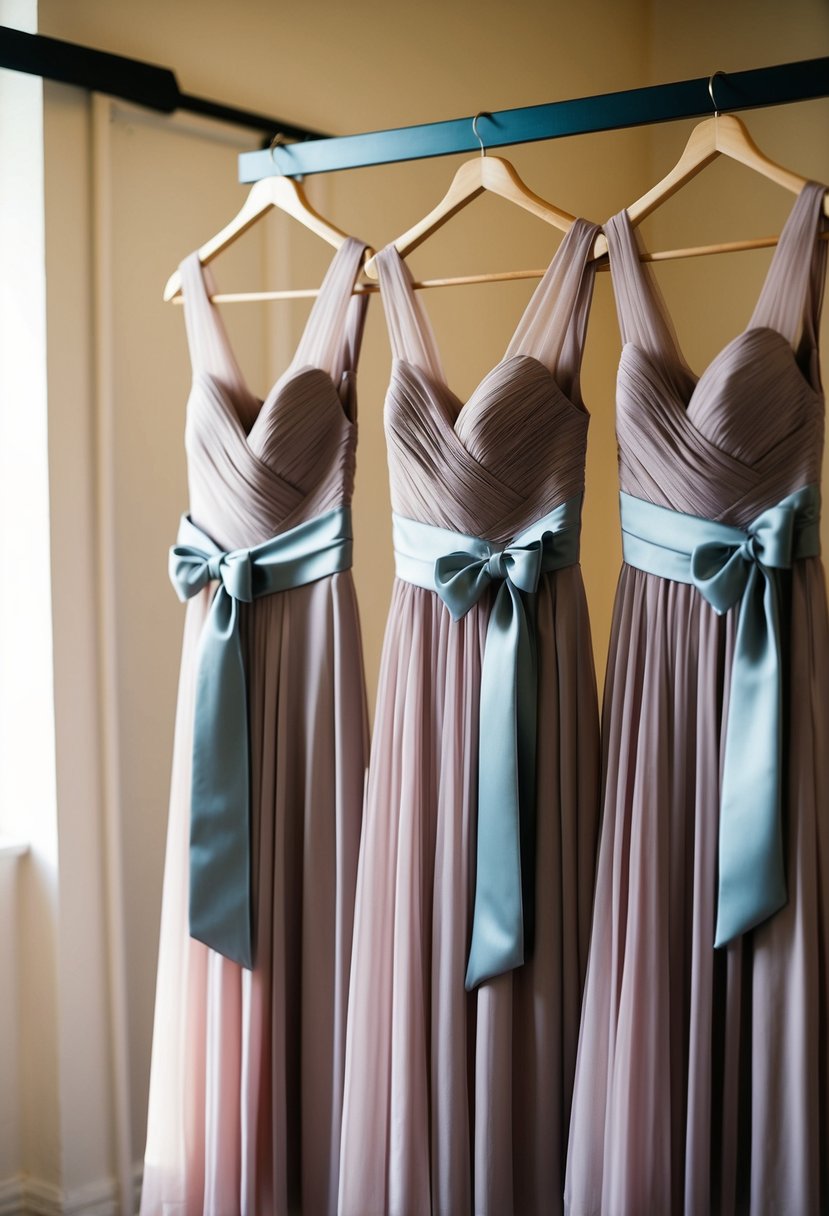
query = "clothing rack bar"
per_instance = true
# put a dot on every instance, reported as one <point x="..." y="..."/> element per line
<point x="144" y="84"/>
<point x="769" y="86"/>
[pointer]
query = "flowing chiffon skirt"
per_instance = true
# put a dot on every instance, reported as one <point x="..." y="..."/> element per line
<point x="675" y="1030"/>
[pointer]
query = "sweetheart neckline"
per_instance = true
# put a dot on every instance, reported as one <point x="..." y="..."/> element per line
<point x="463" y="405"/>
<point x="660" y="365"/>
<point x="272" y="398"/>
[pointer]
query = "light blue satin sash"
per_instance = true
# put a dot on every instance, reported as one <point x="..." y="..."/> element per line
<point x="221" y="912"/>
<point x="729" y="566"/>
<point x="460" y="568"/>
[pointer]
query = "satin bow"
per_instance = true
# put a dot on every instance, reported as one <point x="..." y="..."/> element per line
<point x="221" y="911"/>
<point x="731" y="567"/>
<point x="503" y="919"/>
<point x="192" y="569"/>
<point x="752" y="880"/>
<point x="462" y="578"/>
<point x="504" y="911"/>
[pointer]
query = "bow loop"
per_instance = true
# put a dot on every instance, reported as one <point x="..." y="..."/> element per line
<point x="720" y="572"/>
<point x="189" y="570"/>
<point x="460" y="581"/>
<point x="461" y="578"/>
<point x="720" y="569"/>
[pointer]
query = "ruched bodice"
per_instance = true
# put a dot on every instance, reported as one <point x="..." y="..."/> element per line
<point x="260" y="467"/>
<point x="749" y="430"/>
<point x="515" y="449"/>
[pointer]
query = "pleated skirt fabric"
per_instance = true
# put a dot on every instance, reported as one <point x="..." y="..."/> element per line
<point x="703" y="1075"/>
<point x="247" y="1070"/>
<point x="455" y="1102"/>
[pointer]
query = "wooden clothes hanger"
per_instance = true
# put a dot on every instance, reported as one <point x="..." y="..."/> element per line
<point x="721" y="135"/>
<point x="490" y="173"/>
<point x="483" y="173"/>
<point x="288" y="195"/>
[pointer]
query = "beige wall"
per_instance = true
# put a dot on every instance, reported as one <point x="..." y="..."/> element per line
<point x="356" y="67"/>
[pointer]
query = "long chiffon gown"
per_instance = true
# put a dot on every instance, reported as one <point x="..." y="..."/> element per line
<point x="247" y="1065"/>
<point x="702" y="1086"/>
<point x="458" y="1103"/>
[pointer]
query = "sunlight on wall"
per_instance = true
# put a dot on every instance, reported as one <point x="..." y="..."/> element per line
<point x="27" y="753"/>
<point x="27" y="790"/>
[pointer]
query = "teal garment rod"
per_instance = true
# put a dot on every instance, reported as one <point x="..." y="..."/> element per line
<point x="769" y="86"/>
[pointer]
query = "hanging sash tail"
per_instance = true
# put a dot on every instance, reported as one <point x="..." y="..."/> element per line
<point x="221" y="907"/>
<point x="460" y="569"/>
<point x="735" y="568"/>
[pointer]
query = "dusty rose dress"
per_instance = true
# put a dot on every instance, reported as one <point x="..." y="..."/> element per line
<point x="247" y="1066"/>
<point x="455" y="1102"/>
<point x="703" y="1075"/>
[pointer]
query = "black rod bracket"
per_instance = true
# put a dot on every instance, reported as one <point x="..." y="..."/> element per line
<point x="143" y="84"/>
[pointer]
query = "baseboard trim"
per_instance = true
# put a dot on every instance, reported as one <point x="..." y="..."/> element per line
<point x="26" y="1196"/>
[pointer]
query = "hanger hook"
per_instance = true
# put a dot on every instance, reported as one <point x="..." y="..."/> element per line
<point x="480" y="114"/>
<point x="278" y="141"/>
<point x="281" y="141"/>
<point x="711" y="80"/>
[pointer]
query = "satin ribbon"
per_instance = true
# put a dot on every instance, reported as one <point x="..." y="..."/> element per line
<point x="460" y="569"/>
<point x="731" y="567"/>
<point x="221" y="913"/>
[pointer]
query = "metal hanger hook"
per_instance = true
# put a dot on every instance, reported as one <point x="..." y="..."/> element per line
<point x="281" y="141"/>
<point x="711" y="80"/>
<point x="480" y="114"/>
<point x="278" y="141"/>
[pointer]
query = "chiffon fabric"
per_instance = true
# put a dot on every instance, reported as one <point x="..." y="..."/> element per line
<point x="458" y="1102"/>
<point x="702" y="1086"/>
<point x="247" y="1066"/>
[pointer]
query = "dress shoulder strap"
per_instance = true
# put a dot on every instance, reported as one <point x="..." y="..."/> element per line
<point x="553" y="326"/>
<point x="210" y="350"/>
<point x="644" y="319"/>
<point x="332" y="334"/>
<point x="410" y="332"/>
<point x="643" y="316"/>
<point x="792" y="294"/>
<point x="808" y="352"/>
